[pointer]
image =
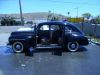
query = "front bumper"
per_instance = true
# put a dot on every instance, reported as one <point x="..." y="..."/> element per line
<point x="83" y="41"/>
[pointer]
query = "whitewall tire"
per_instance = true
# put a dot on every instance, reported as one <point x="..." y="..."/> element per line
<point x="18" y="47"/>
<point x="73" y="46"/>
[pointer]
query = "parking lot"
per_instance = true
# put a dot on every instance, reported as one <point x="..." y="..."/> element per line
<point x="84" y="62"/>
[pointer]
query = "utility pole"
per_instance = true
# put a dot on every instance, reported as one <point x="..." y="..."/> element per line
<point x="49" y="16"/>
<point x="77" y="11"/>
<point x="53" y="13"/>
<point x="69" y="18"/>
<point x="21" y="16"/>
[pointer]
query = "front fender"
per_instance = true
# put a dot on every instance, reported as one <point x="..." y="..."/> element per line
<point x="69" y="37"/>
<point x="25" y="39"/>
<point x="17" y="38"/>
<point x="82" y="40"/>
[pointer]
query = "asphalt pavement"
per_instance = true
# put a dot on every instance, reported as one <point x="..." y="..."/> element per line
<point x="84" y="62"/>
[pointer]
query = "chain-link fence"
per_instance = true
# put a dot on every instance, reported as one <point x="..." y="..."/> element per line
<point x="91" y="30"/>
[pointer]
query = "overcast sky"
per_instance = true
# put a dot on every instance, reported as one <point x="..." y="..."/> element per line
<point x="56" y="6"/>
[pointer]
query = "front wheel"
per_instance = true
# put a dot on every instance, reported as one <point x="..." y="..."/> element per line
<point x="73" y="46"/>
<point x="18" y="47"/>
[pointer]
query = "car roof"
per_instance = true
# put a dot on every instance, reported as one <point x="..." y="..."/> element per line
<point x="52" y="23"/>
<point x="66" y="23"/>
<point x="56" y="23"/>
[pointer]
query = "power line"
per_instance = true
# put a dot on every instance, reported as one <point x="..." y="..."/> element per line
<point x="80" y="3"/>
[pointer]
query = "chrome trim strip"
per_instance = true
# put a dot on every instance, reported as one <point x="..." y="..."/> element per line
<point x="16" y="39"/>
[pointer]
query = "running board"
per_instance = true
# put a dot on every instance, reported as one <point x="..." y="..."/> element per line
<point x="51" y="46"/>
<point x="48" y="47"/>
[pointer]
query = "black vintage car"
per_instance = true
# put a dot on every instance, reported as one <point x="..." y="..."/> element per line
<point x="48" y="35"/>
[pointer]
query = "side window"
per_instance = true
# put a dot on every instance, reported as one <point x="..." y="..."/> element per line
<point x="44" y="27"/>
<point x="55" y="27"/>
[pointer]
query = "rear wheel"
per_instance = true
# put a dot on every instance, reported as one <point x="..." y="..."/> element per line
<point x="73" y="46"/>
<point x="18" y="47"/>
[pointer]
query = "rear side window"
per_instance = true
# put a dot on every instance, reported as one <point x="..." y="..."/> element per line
<point x="55" y="27"/>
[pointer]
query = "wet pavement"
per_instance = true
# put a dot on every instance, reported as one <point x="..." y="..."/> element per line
<point x="4" y="38"/>
<point x="84" y="62"/>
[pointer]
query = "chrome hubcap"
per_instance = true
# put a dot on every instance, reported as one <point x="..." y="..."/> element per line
<point x="18" y="46"/>
<point x="73" y="46"/>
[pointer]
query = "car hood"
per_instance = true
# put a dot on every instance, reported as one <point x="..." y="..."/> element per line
<point x="77" y="34"/>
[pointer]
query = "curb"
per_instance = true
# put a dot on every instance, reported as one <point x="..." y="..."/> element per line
<point x="92" y="41"/>
<point x="96" y="43"/>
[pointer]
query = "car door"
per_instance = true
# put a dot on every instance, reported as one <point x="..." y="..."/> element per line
<point x="56" y="33"/>
<point x="43" y="33"/>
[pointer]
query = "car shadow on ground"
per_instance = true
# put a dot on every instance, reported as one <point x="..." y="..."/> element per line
<point x="4" y="50"/>
<point x="81" y="49"/>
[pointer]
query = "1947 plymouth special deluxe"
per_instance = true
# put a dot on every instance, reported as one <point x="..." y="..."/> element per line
<point x="48" y="35"/>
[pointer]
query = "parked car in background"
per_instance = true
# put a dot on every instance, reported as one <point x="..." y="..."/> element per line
<point x="52" y="34"/>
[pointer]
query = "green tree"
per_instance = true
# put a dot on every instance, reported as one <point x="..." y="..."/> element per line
<point x="7" y="21"/>
<point x="49" y="16"/>
<point x="55" y="18"/>
<point x="29" y="22"/>
<point x="52" y="17"/>
<point x="86" y="15"/>
<point x="18" y="23"/>
<point x="97" y="19"/>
